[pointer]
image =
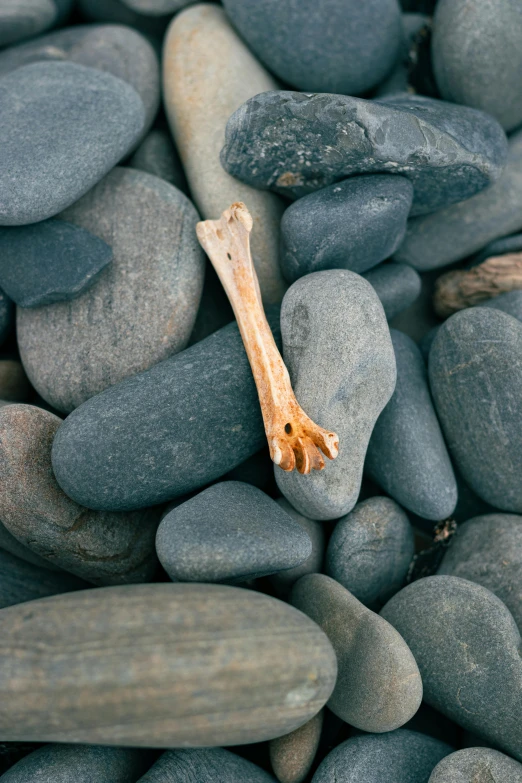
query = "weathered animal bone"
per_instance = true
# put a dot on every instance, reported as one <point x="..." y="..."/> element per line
<point x="293" y="438"/>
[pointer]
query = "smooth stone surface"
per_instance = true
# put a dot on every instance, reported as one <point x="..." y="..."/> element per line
<point x="354" y="225"/>
<point x="370" y="551"/>
<point x="346" y="47"/>
<point x="165" y="664"/>
<point x="157" y="155"/>
<point x="97" y="118"/>
<point x="292" y="756"/>
<point x="378" y="686"/>
<point x="21" y="19"/>
<point x="284" y="580"/>
<point x="467" y="647"/>
<point x="22" y="581"/>
<point x="499" y="247"/>
<point x="143" y="308"/>
<point x="165" y="432"/>
<point x="49" y="262"/>
<point x="14" y="386"/>
<point x="407" y="455"/>
<point x="12" y="545"/>
<point x="396" y="285"/>
<point x="477" y="765"/>
<point x="296" y="143"/>
<point x="102" y="548"/>
<point x="337" y="348"/>
<point x="206" y="765"/>
<point x="476" y="380"/>
<point x="230" y="532"/>
<point x="208" y="72"/>
<point x="510" y="303"/>
<point x="399" y="757"/>
<point x="7" y="316"/>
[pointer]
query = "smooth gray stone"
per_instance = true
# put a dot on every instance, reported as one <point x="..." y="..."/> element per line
<point x="48" y="262"/>
<point x="21" y="581"/>
<point x="477" y="765"/>
<point x="230" y="532"/>
<point x="354" y="224"/>
<point x="407" y="455"/>
<point x="96" y="117"/>
<point x="510" y="303"/>
<point x="420" y="317"/>
<point x="157" y="155"/>
<point x="475" y="374"/>
<point x="467" y="646"/>
<point x="370" y="551"/>
<point x="378" y="686"/>
<point x="477" y="57"/>
<point x="401" y="756"/>
<point x="296" y="143"/>
<point x="12" y="545"/>
<point x="462" y="229"/>
<point x="333" y="46"/>
<point x="488" y="550"/>
<point x="338" y="352"/>
<point x="164" y="432"/>
<point x="284" y="580"/>
<point x="204" y="765"/>
<point x="144" y="306"/>
<point x="21" y="19"/>
<point x="7" y="316"/>
<point x="499" y="247"/>
<point x="396" y="285"/>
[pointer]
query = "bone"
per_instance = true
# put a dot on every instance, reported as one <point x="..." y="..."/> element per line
<point x="295" y="441"/>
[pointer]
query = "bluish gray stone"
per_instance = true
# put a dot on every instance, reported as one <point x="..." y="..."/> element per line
<point x="407" y="455"/>
<point x="499" y="247"/>
<point x="370" y="551"/>
<point x="296" y="143"/>
<point x="476" y="380"/>
<point x="19" y="20"/>
<point x="7" y="316"/>
<point x="117" y="12"/>
<point x="477" y="765"/>
<point x="156" y="7"/>
<point x="284" y="580"/>
<point x="204" y="765"/>
<point x="157" y="155"/>
<point x="396" y="285"/>
<point x="354" y="224"/>
<point x="230" y="532"/>
<point x="21" y="581"/>
<point x="415" y="28"/>
<point x="510" y="303"/>
<point x="96" y="118"/>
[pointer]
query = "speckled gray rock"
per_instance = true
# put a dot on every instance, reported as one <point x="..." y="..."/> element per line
<point x="510" y="303"/>
<point x="399" y="757"/>
<point x="354" y="225"/>
<point x="21" y="19"/>
<point x="97" y="118"/>
<point x="292" y="756"/>
<point x="396" y="285"/>
<point x="407" y="455"/>
<point x="205" y="765"/>
<point x="370" y="551"/>
<point x="296" y="143"/>
<point x="477" y="765"/>
<point x="143" y="308"/>
<point x="157" y="155"/>
<point x="467" y="646"/>
<point x="378" y="685"/>
<point x="7" y="316"/>
<point x="345" y="47"/>
<point x="284" y="580"/>
<point x="499" y="247"/>
<point x="340" y="358"/>
<point x="49" y="262"/>
<point x="14" y="386"/>
<point x="476" y="381"/>
<point x="22" y="581"/>
<point x="231" y="532"/>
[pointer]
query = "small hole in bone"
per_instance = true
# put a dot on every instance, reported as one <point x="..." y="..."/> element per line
<point x="229" y="257"/>
<point x="288" y="429"/>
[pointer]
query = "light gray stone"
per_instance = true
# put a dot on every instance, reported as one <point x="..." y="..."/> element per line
<point x="477" y="765"/>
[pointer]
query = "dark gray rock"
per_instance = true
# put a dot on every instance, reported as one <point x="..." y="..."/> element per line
<point x="499" y="247"/>
<point x="398" y="757"/>
<point x="396" y="285"/>
<point x="378" y="685"/>
<point x="354" y="224"/>
<point x="231" y="532"/>
<point x="19" y="20"/>
<point x="96" y="118"/>
<point x="284" y="580"/>
<point x="420" y="317"/>
<point x="370" y="551"/>
<point x="476" y="380"/>
<point x="331" y="47"/>
<point x="7" y="316"/>
<point x="407" y="455"/>
<point x="296" y="143"/>
<point x="467" y="647"/>
<point x="48" y="262"/>
<point x="156" y="7"/>
<point x="204" y="765"/>
<point x="477" y="765"/>
<point x="157" y="155"/>
<point x="115" y="11"/>
<point x="510" y="303"/>
<point x="433" y="723"/>
<point x="22" y="581"/>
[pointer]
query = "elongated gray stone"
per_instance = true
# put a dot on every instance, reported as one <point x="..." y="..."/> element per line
<point x="396" y="285"/>
<point x="477" y="765"/>
<point x="204" y="765"/>
<point x="21" y="581"/>
<point x="284" y="580"/>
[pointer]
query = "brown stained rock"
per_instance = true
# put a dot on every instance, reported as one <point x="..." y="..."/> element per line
<point x="14" y="386"/>
<point x="292" y="756"/>
<point x="102" y="547"/>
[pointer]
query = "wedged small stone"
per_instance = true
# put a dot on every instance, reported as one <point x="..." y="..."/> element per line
<point x="477" y="765"/>
<point x="467" y="646"/>
<point x="370" y="551"/>
<point x="337" y="347"/>
<point x="378" y="686"/>
<point x="292" y="756"/>
<point x="475" y="373"/>
<point x="157" y="155"/>
<point x="354" y="224"/>
<point x="420" y="317"/>
<point x="7" y="316"/>
<point x="208" y="72"/>
<point x="510" y="303"/>
<point x="156" y="7"/>
<point x="102" y="548"/>
<point x="204" y="765"/>
<point x="14" y="385"/>
<point x="159" y="662"/>
<point x="116" y="12"/>
<point x="296" y="143"/>
<point x="143" y="308"/>
<point x="12" y="545"/>
<point x="231" y="532"/>
<point x="396" y="285"/>
<point x="284" y="580"/>
<point x="499" y="247"/>
<point x="21" y="581"/>
<point x="407" y="455"/>
<point x="19" y="20"/>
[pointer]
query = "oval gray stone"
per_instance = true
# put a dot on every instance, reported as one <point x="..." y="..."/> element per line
<point x="157" y="155"/>
<point x="477" y="765"/>
<point x="205" y="765"/>
<point x="396" y="285"/>
<point x="21" y="581"/>
<point x="19" y="20"/>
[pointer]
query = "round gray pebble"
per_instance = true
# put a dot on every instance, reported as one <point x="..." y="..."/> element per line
<point x="396" y="285"/>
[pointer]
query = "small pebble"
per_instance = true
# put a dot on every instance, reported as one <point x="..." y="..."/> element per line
<point x="293" y="755"/>
<point x="477" y="765"/>
<point x="204" y="765"/>
<point x="21" y="581"/>
<point x="396" y="285"/>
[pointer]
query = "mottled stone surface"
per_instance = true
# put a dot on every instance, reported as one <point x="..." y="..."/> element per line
<point x="284" y="580"/>
<point x="378" y="686"/>
<point x="21" y="19"/>
<point x="477" y="765"/>
<point x="396" y="285"/>
<point x="6" y="316"/>
<point x="340" y="358"/>
<point x="157" y="155"/>
<point x="448" y="152"/>
<point x="143" y="308"/>
<point x="206" y="765"/>
<point x="14" y="386"/>
<point x="22" y="581"/>
<point x="292" y="756"/>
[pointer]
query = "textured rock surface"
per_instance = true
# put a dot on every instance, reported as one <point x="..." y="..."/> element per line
<point x="19" y="20"/>
<point x="14" y="386"/>
<point x="159" y="662"/>
<point x="378" y="686"/>
<point x="448" y="152"/>
<point x="284" y="580"/>
<point x="206" y="765"/>
<point x="339" y="355"/>
<point x="292" y="756"/>
<point x="22" y="581"/>
<point x="144" y="306"/>
<point x="396" y="285"/>
<point x="477" y="765"/>
<point x="6" y="316"/>
<point x="11" y="544"/>
<point x="157" y="155"/>
<point x="208" y="74"/>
